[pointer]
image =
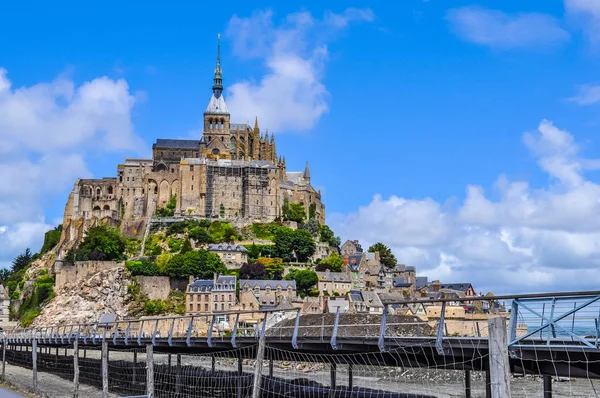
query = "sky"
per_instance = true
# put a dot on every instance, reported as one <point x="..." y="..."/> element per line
<point x="464" y="135"/>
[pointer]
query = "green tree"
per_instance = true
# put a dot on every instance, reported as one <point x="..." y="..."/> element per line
<point x="100" y="243"/>
<point x="311" y="226"/>
<point x="285" y="208"/>
<point x="303" y="244"/>
<point x="186" y="246"/>
<point x="305" y="279"/>
<point x="386" y="256"/>
<point x="274" y="271"/>
<point x="200" y="235"/>
<point x="51" y="239"/>
<point x="198" y="263"/>
<point x="21" y="261"/>
<point x="333" y="263"/>
<point x="169" y="209"/>
<point x="312" y="211"/>
<point x="327" y="235"/>
<point x="297" y="213"/>
<point x="284" y="243"/>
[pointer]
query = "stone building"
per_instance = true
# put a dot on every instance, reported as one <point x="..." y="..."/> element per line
<point x="269" y="292"/>
<point x="233" y="256"/>
<point x="350" y="247"/>
<point x="4" y="307"/>
<point x="330" y="282"/>
<point x="204" y="296"/>
<point x="231" y="172"/>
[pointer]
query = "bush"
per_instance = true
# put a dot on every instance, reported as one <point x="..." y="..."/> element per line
<point x="100" y="243"/>
<point x="152" y="247"/>
<point x="200" y="235"/>
<point x="169" y="209"/>
<point x="265" y="231"/>
<point x="51" y="239"/>
<point x="199" y="263"/>
<point x="142" y="267"/>
<point x="313" y="293"/>
<point x="174" y="244"/>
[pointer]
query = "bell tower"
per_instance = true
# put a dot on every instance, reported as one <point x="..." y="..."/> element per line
<point x="216" y="117"/>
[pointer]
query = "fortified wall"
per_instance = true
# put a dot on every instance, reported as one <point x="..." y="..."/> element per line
<point x="80" y="271"/>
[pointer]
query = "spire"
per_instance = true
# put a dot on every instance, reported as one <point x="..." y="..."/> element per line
<point x="218" y="80"/>
<point x="306" y="174"/>
<point x="272" y="138"/>
<point x="267" y="136"/>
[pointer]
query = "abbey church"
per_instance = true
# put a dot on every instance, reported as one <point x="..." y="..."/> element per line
<point x="232" y="172"/>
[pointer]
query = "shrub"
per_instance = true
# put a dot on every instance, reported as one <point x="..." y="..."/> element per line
<point x="51" y="239"/>
<point x="100" y="243"/>
<point x="142" y="267"/>
<point x="169" y="209"/>
<point x="174" y="244"/>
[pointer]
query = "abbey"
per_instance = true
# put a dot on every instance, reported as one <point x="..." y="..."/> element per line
<point x="232" y="172"/>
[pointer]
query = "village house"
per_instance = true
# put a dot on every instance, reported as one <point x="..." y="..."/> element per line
<point x="338" y="302"/>
<point x="313" y="305"/>
<point x="464" y="288"/>
<point x="233" y="256"/>
<point x="268" y="292"/>
<point x="204" y="296"/>
<point x="330" y="282"/>
<point x="362" y="301"/>
<point x="350" y="247"/>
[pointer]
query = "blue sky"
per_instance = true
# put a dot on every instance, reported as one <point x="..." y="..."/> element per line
<point x="464" y="136"/>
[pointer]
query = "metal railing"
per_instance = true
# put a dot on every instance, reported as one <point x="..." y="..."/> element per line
<point x="565" y="319"/>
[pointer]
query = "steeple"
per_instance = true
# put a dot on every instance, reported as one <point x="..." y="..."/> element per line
<point x="218" y="80"/>
<point x="306" y="174"/>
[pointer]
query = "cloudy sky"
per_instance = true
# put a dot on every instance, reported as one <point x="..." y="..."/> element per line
<point x="466" y="136"/>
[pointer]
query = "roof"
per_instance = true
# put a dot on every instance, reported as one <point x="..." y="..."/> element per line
<point x="332" y="305"/>
<point x="168" y="143"/>
<point x="227" y="248"/>
<point x="295" y="177"/>
<point x="226" y="279"/>
<point x="334" y="276"/>
<point x="400" y="282"/>
<point x="262" y="284"/>
<point x="420" y="282"/>
<point x="371" y="299"/>
<point x="217" y="105"/>
<point x="203" y="285"/>
<point x="370" y="256"/>
<point x="461" y="287"/>
<point x="239" y="126"/>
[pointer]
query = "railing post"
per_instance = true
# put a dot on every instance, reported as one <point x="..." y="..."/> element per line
<point x="547" y="386"/>
<point x="295" y="334"/>
<point x="335" y="328"/>
<point x="235" y="328"/>
<point x="467" y="384"/>
<point x="381" y="342"/>
<point x="210" y="329"/>
<point x="170" y="339"/>
<point x="149" y="369"/>
<point x="154" y="333"/>
<point x="260" y="356"/>
<point x="104" y="369"/>
<point x="439" y="344"/>
<point x="188" y="337"/>
<point x="4" y="359"/>
<point x="34" y="365"/>
<point x="140" y="332"/>
<point x="178" y="376"/>
<point x="75" y="369"/>
<point x="498" y="356"/>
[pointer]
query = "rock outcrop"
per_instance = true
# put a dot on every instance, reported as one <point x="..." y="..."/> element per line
<point x="84" y="302"/>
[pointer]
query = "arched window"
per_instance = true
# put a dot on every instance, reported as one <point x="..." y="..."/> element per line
<point x="106" y="207"/>
<point x="110" y="190"/>
<point x="98" y="191"/>
<point x="156" y="189"/>
<point x="96" y="208"/>
<point x="232" y="144"/>
<point x="222" y="124"/>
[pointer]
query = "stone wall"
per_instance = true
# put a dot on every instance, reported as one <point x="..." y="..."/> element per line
<point x="156" y="287"/>
<point x="80" y="271"/>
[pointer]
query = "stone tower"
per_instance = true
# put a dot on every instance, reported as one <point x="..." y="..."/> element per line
<point x="216" y="117"/>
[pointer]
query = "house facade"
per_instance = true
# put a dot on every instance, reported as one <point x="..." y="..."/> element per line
<point x="233" y="256"/>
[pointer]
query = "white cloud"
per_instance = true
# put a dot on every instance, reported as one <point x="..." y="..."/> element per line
<point x="587" y="12"/>
<point x="291" y="95"/>
<point x="506" y="31"/>
<point x="46" y="131"/>
<point x="526" y="240"/>
<point x="586" y="95"/>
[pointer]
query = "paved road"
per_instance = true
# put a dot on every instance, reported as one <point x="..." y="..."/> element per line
<point x="9" y="394"/>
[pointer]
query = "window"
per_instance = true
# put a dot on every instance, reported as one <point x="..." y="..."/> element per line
<point x="222" y="297"/>
<point x="216" y="306"/>
<point x="132" y="178"/>
<point x="198" y="307"/>
<point x="216" y="297"/>
<point x="127" y="178"/>
<point x="222" y="306"/>
<point x="192" y="177"/>
<point x="191" y="167"/>
<point x="191" y="307"/>
<point x="230" y="297"/>
<point x="192" y="187"/>
<point x="206" y="307"/>
<point x="110" y="190"/>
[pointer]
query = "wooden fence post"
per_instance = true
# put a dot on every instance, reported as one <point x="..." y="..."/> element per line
<point x="105" y="369"/>
<point x="34" y="364"/>
<point x="149" y="369"/>
<point x="499" y="363"/>
<point x="75" y="369"/>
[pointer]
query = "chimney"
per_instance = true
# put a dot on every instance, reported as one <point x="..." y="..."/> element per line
<point x="191" y="280"/>
<point x="215" y="277"/>
<point x="436" y="286"/>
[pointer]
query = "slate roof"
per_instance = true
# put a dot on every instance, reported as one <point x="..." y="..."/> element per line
<point x="332" y="306"/>
<point x="334" y="277"/>
<point x="461" y="287"/>
<point x="239" y="126"/>
<point x="217" y="105"/>
<point x="371" y="299"/>
<point x="263" y="283"/>
<point x="420" y="282"/>
<point x="186" y="144"/>
<point x="227" y="248"/>
<point x="201" y="285"/>
<point x="400" y="282"/>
